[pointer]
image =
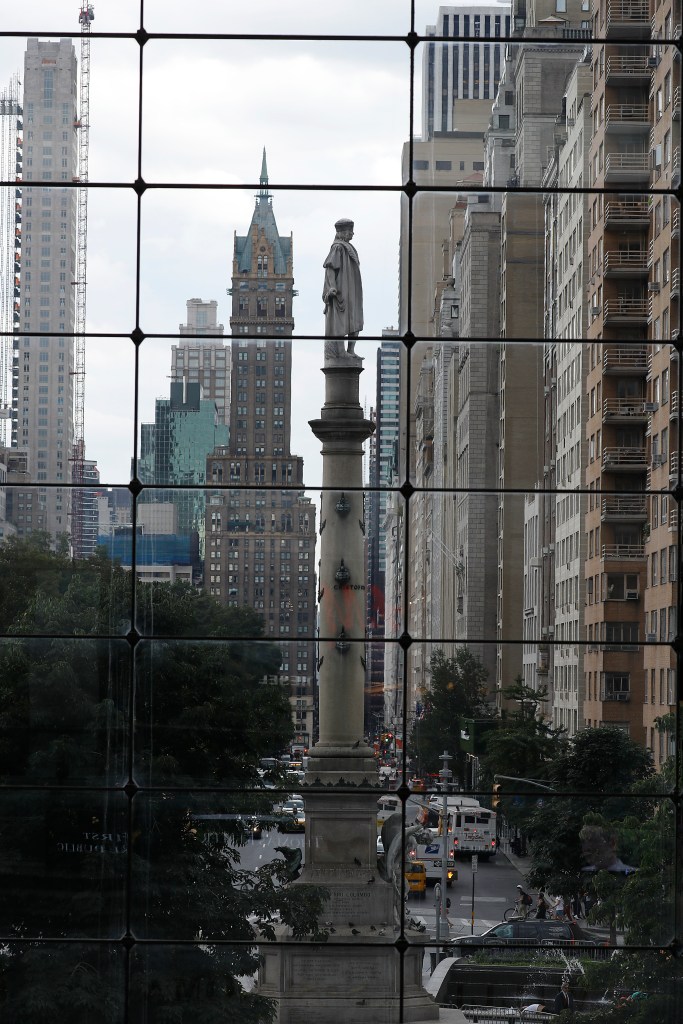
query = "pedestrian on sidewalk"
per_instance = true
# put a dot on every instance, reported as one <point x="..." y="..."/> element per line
<point x="541" y="906"/>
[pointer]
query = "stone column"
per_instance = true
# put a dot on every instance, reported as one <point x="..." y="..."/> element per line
<point x="357" y="976"/>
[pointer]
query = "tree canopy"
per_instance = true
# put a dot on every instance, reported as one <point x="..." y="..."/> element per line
<point x="596" y="770"/>
<point x="127" y="736"/>
<point x="523" y="746"/>
<point x="457" y="690"/>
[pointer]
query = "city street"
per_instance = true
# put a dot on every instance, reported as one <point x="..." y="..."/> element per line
<point x="495" y="884"/>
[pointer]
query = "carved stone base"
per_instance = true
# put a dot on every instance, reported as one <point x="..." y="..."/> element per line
<point x="345" y="984"/>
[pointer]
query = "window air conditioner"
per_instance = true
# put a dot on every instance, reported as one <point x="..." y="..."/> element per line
<point x="653" y="286"/>
<point x="651" y="406"/>
<point x="650" y="637"/>
<point x="631" y="595"/>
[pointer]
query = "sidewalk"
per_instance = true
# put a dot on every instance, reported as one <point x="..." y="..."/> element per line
<point x="522" y="864"/>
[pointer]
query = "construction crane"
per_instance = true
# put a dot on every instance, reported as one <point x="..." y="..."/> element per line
<point x="10" y="248"/>
<point x="86" y="16"/>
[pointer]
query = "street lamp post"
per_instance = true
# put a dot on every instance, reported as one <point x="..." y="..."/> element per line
<point x="445" y="775"/>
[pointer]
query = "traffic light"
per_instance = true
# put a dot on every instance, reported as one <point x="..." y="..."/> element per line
<point x="496" y="795"/>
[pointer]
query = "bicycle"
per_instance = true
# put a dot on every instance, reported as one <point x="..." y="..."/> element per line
<point x="519" y="912"/>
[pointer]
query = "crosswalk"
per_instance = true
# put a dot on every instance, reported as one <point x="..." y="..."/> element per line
<point x="458" y="925"/>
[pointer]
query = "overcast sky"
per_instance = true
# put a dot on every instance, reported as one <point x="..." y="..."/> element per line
<point x="329" y="113"/>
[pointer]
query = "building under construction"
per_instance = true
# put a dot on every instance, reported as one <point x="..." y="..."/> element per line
<point x="43" y="232"/>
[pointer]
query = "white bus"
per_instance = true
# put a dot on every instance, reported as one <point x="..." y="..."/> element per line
<point x="386" y="806"/>
<point x="429" y="848"/>
<point x="471" y="826"/>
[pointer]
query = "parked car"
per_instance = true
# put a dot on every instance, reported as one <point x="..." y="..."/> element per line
<point x="529" y="932"/>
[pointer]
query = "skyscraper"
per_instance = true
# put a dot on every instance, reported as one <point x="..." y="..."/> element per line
<point x="44" y="355"/>
<point x="261" y="532"/>
<point x="174" y="450"/>
<point x="201" y="357"/>
<point x="383" y="452"/>
<point x="463" y="69"/>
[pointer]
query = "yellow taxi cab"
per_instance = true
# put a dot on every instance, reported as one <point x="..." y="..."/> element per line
<point x="416" y="877"/>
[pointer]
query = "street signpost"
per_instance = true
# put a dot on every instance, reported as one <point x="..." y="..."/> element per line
<point x="475" y="867"/>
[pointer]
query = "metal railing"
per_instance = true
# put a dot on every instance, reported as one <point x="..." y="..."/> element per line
<point x="624" y="507"/>
<point x="627" y="209"/>
<point x="617" y="261"/>
<point x="624" y="357"/>
<point x="627" y="113"/>
<point x="625" y="552"/>
<point x="627" y="12"/>
<point x="624" y="407"/>
<point x="623" y="457"/>
<point x="501" y="1014"/>
<point x="627" y="163"/>
<point x="618" y="65"/>
<point x="626" y="308"/>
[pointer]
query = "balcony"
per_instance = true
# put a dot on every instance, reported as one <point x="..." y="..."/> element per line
<point x="676" y="222"/>
<point x="676" y="168"/>
<point x="622" y="552"/>
<point x="673" y="405"/>
<point x="627" y="167"/>
<point x="625" y="359"/>
<point x="675" y="285"/>
<point x="629" y="213"/>
<point x="623" y="508"/>
<point x="626" y="409"/>
<point x="624" y="460"/>
<point x="625" y="310"/>
<point x="623" y="70"/>
<point x="630" y="18"/>
<point x="674" y="468"/>
<point x="673" y="520"/>
<point x="627" y="118"/>
<point x="623" y="695"/>
<point x="619" y="263"/>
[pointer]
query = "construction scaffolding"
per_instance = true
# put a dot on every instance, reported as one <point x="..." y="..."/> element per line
<point x="85" y="17"/>
<point x="11" y="128"/>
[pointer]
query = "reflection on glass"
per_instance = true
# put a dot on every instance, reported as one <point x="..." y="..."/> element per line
<point x="64" y="861"/>
<point x="77" y="981"/>
<point x="64" y="710"/>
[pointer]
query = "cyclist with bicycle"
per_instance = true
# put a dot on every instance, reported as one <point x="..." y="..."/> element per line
<point x="523" y="902"/>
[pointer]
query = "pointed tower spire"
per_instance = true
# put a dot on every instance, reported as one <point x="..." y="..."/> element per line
<point x="264" y="175"/>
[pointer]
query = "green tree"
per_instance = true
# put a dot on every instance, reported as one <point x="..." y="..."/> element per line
<point x="643" y="905"/>
<point x="142" y="734"/>
<point x="596" y="770"/>
<point x="522" y="747"/>
<point x="458" y="690"/>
